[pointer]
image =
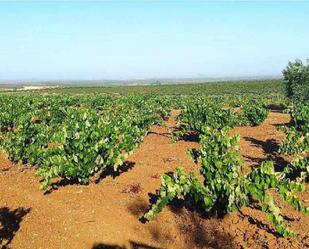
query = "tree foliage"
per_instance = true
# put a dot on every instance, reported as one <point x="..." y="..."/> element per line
<point x="296" y="76"/>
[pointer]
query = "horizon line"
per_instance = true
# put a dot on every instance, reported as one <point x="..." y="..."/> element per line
<point x="214" y="78"/>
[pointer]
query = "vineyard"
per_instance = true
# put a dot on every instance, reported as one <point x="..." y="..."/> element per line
<point x="155" y="168"/>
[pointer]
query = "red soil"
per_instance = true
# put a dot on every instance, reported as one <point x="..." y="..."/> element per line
<point x="106" y="214"/>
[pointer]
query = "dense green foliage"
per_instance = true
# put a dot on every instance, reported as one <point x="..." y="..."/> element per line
<point x="297" y="132"/>
<point x="296" y="76"/>
<point x="219" y="112"/>
<point x="74" y="137"/>
<point x="296" y="142"/>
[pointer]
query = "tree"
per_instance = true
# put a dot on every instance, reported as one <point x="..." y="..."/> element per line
<point x="296" y="76"/>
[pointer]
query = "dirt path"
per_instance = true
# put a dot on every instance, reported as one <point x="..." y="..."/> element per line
<point x="107" y="213"/>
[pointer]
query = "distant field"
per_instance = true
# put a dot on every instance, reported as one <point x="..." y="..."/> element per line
<point x="216" y="88"/>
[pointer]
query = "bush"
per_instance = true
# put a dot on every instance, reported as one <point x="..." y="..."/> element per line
<point x="254" y="113"/>
<point x="296" y="76"/>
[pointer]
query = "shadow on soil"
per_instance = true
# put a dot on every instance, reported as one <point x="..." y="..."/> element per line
<point x="200" y="234"/>
<point x="190" y="137"/>
<point x="163" y="134"/>
<point x="138" y="207"/>
<point x="132" y="245"/>
<point x="189" y="225"/>
<point x="10" y="223"/>
<point x="276" y="108"/>
<point x="258" y="223"/>
<point x="127" y="166"/>
<point x="270" y="148"/>
<point x="187" y="137"/>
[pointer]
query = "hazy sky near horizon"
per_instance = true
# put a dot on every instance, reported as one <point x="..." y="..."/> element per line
<point x="132" y="40"/>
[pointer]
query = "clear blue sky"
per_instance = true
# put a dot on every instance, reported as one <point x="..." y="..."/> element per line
<point x="126" y="40"/>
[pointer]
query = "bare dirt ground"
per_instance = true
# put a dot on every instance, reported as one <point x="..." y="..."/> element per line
<point x="106" y="214"/>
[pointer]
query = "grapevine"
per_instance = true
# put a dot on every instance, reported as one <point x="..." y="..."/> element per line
<point x="225" y="189"/>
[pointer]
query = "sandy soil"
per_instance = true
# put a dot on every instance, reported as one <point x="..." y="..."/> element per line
<point x="106" y="214"/>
